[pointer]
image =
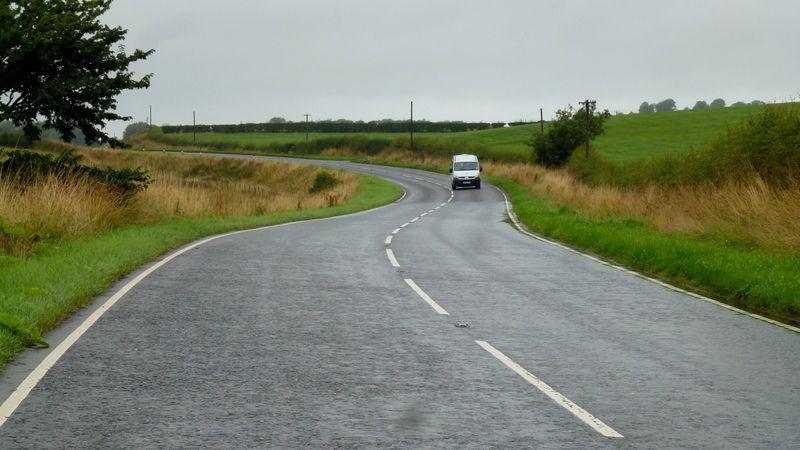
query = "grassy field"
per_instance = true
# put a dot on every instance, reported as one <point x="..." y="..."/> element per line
<point x="46" y="283"/>
<point x="637" y="136"/>
<point x="627" y="137"/>
<point x="504" y="141"/>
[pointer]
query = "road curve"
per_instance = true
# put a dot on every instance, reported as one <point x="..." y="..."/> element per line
<point x="394" y="328"/>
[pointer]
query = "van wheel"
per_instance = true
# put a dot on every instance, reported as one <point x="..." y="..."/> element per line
<point x="478" y="186"/>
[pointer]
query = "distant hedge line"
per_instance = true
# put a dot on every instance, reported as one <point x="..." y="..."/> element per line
<point x="332" y="126"/>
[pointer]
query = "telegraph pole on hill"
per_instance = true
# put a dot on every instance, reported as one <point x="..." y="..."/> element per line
<point x="306" y="125"/>
<point x="587" y="104"/>
<point x="412" y="125"/>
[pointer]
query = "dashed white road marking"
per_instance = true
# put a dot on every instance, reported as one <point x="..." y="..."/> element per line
<point x="426" y="297"/>
<point x="556" y="396"/>
<point x="392" y="259"/>
<point x="414" y="219"/>
<point x="423" y="214"/>
<point x="519" y="226"/>
<point x="404" y="225"/>
<point x="396" y="230"/>
<point x="388" y="240"/>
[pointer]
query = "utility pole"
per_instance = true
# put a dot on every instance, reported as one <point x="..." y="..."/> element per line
<point x="194" y="127"/>
<point x="541" y="119"/>
<point x="586" y="103"/>
<point x="306" y="125"/>
<point x="412" y="125"/>
<point x="150" y="117"/>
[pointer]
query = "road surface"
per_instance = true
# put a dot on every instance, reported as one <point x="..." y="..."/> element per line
<point x="431" y="322"/>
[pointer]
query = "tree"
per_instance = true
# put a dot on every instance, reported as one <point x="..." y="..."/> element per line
<point x="277" y="120"/>
<point x="718" y="103"/>
<point x="757" y="102"/>
<point x="666" y="105"/>
<point x="565" y="134"/>
<point x="646" y="108"/>
<point x="61" y="68"/>
<point x="134" y="128"/>
<point x="701" y="104"/>
<point x="736" y="104"/>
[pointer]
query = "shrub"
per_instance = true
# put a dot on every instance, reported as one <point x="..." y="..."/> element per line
<point x="646" y="108"/>
<point x="717" y="103"/>
<point x="665" y="105"/>
<point x="134" y="128"/>
<point x="566" y="133"/>
<point x="322" y="182"/>
<point x="26" y="167"/>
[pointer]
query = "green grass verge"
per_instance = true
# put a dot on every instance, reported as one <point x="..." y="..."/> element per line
<point x="753" y="280"/>
<point x="38" y="293"/>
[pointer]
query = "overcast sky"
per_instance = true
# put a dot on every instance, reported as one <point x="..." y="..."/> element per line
<point x="245" y="60"/>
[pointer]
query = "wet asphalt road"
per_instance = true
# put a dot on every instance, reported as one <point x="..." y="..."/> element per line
<point x="306" y="336"/>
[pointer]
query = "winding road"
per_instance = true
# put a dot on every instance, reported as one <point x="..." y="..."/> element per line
<point x="430" y="322"/>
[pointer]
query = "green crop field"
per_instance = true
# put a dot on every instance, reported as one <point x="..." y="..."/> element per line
<point x="627" y="137"/>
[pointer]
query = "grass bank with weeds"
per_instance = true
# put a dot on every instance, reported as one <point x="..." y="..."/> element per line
<point x="82" y="245"/>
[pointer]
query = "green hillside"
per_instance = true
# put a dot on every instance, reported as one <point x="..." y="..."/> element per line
<point x="635" y="136"/>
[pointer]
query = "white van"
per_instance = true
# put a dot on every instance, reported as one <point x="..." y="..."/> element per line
<point x="466" y="171"/>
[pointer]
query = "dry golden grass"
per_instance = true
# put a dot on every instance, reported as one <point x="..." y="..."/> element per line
<point x="747" y="210"/>
<point x="183" y="186"/>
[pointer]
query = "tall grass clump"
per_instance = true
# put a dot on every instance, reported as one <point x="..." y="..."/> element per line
<point x="39" y="207"/>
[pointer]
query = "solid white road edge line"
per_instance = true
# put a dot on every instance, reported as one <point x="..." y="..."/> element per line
<point x="425" y="297"/>
<point x="26" y="386"/>
<point x="392" y="259"/>
<point x="388" y="240"/>
<point x="521" y="228"/>
<point x="554" y="395"/>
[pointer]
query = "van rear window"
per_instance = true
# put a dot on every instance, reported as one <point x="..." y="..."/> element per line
<point x="465" y="165"/>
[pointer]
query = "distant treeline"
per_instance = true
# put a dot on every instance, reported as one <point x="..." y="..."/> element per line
<point x="340" y="126"/>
